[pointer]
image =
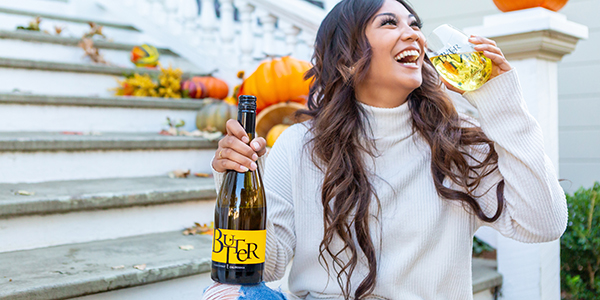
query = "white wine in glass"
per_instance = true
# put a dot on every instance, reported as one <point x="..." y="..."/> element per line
<point x="455" y="59"/>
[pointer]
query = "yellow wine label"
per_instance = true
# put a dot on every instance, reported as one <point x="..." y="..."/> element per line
<point x="239" y="246"/>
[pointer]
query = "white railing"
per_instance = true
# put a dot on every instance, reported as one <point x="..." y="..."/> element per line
<point x="242" y="33"/>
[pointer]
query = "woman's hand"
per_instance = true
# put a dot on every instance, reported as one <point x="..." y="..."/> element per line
<point x="490" y="50"/>
<point x="234" y="153"/>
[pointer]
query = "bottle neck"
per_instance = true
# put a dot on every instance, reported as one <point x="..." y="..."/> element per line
<point x="247" y="119"/>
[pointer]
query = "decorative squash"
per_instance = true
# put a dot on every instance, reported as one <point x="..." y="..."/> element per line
<point x="278" y="80"/>
<point x="144" y="56"/>
<point x="512" y="5"/>
<point x="274" y="133"/>
<point x="215" y="88"/>
<point x="213" y="116"/>
<point x="193" y="89"/>
<point x="280" y="113"/>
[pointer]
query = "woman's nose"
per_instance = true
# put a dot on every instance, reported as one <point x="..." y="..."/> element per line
<point x="410" y="34"/>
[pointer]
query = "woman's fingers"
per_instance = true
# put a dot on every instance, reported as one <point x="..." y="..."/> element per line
<point x="259" y="145"/>
<point x="234" y="128"/>
<point x="493" y="52"/>
<point x="241" y="162"/>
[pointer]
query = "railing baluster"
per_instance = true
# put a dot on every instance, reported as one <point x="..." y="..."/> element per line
<point x="208" y="21"/>
<point x="227" y="25"/>
<point x="247" y="34"/>
<point x="268" y="27"/>
<point x="158" y="12"/>
<point x="173" y="20"/>
<point x="291" y="38"/>
<point x="188" y="11"/>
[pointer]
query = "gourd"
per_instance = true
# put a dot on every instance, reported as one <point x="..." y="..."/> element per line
<point x="214" y="114"/>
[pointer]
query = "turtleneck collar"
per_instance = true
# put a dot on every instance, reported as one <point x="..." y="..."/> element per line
<point x="389" y="125"/>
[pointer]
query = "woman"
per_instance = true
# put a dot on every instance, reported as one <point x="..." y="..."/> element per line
<point x="379" y="195"/>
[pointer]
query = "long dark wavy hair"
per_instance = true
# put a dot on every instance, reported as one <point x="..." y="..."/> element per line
<point x="341" y="59"/>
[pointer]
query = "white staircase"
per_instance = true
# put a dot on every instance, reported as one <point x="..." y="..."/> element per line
<point x="94" y="215"/>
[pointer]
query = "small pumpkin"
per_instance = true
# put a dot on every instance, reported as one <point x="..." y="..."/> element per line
<point x="512" y="5"/>
<point x="274" y="133"/>
<point x="278" y="80"/>
<point x="215" y="88"/>
<point x="214" y="114"/>
<point x="193" y="89"/>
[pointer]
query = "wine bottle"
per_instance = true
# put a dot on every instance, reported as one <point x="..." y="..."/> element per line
<point x="239" y="239"/>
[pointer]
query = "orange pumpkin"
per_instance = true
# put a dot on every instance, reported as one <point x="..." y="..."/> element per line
<point x="512" y="5"/>
<point x="274" y="133"/>
<point x="278" y="80"/>
<point x="215" y="88"/>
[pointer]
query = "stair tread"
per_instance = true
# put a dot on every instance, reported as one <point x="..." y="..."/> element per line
<point x="80" y="68"/>
<point x="81" y="269"/>
<point x="122" y="101"/>
<point x="34" y="36"/>
<point x="485" y="275"/>
<point x="53" y="16"/>
<point x="76" y="195"/>
<point x="56" y="141"/>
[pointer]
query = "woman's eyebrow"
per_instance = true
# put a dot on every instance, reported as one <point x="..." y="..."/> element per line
<point x="392" y="15"/>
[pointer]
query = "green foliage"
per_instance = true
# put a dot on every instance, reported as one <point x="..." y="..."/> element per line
<point x="480" y="246"/>
<point x="580" y="246"/>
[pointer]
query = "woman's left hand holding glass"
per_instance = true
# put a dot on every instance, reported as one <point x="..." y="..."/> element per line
<point x="499" y="63"/>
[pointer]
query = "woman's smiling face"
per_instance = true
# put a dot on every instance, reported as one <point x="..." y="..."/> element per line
<point x="397" y="47"/>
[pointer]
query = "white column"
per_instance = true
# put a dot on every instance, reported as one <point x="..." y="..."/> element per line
<point x="208" y="24"/>
<point x="227" y="30"/>
<point x="158" y="12"/>
<point x="533" y="40"/>
<point x="247" y="35"/>
<point x="268" y="26"/>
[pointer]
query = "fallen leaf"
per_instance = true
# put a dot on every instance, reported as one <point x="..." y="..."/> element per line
<point x="186" y="247"/>
<point x="118" y="267"/>
<point x="24" y="193"/>
<point x="202" y="175"/>
<point x="200" y="229"/>
<point x="141" y="267"/>
<point x="10" y="280"/>
<point x="72" y="132"/>
<point x="179" y="173"/>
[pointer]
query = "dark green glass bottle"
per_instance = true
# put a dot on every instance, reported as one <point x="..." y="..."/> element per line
<point x="239" y="240"/>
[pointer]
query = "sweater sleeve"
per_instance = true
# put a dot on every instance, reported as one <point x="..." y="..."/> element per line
<point x="535" y="208"/>
<point x="281" y="236"/>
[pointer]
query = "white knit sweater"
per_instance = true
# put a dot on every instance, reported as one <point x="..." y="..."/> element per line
<point x="426" y="241"/>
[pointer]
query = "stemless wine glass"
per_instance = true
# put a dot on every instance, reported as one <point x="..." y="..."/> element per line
<point x="456" y="60"/>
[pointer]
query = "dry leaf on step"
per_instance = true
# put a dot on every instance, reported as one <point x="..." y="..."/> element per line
<point x="141" y="267"/>
<point x="186" y="247"/>
<point x="200" y="229"/>
<point x="24" y="193"/>
<point x="205" y="175"/>
<point x="179" y="173"/>
<point x="118" y="267"/>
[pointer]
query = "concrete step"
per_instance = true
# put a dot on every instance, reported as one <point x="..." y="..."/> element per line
<point x="26" y="112"/>
<point x="31" y="45"/>
<point x="73" y="18"/>
<point x="87" y="210"/>
<point x="50" y="156"/>
<point x="81" y="269"/>
<point x="43" y="77"/>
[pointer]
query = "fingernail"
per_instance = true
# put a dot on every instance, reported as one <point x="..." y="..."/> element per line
<point x="256" y="146"/>
<point x="254" y="156"/>
<point x="245" y="139"/>
<point x="253" y="166"/>
<point x="244" y="169"/>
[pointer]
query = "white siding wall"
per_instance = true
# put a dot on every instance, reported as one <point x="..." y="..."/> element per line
<point x="578" y="83"/>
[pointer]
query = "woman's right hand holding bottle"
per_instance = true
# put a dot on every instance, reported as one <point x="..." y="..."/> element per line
<point x="235" y="152"/>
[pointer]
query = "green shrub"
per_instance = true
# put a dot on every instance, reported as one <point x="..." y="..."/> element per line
<point x="580" y="246"/>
